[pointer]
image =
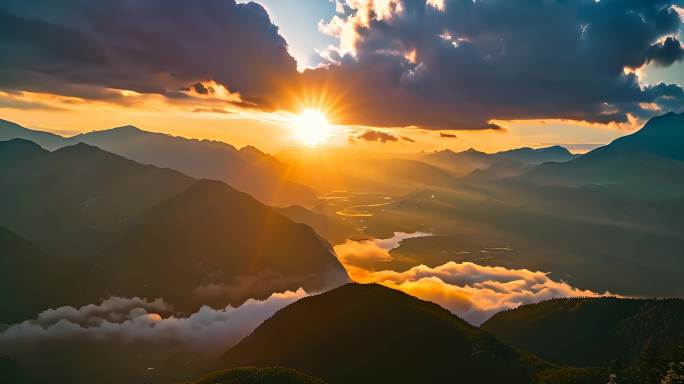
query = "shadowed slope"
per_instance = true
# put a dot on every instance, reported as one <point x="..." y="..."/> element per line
<point x="28" y="278"/>
<point x="221" y="246"/>
<point x="73" y="201"/>
<point x="651" y="157"/>
<point x="592" y="332"/>
<point x="119" y="227"/>
<point x="372" y="334"/>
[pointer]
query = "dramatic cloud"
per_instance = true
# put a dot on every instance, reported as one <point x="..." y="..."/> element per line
<point x="120" y="319"/>
<point x="473" y="292"/>
<point x="447" y="135"/>
<point x="168" y="47"/>
<point x="440" y="64"/>
<point x="373" y="135"/>
<point x="665" y="53"/>
<point x="460" y="64"/>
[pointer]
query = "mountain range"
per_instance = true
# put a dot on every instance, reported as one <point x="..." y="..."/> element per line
<point x="496" y="165"/>
<point x="372" y="334"/>
<point x="86" y="224"/>
<point x="650" y="160"/>
<point x="102" y="224"/>
<point x="247" y="169"/>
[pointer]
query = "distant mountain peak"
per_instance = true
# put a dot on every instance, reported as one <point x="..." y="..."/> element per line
<point x="8" y="124"/>
<point x="251" y="149"/>
<point x="81" y="148"/>
<point x="556" y="149"/>
<point x="444" y="152"/>
<point x="20" y="142"/>
<point x="124" y="129"/>
<point x="655" y="152"/>
<point x="664" y="122"/>
<point x="127" y="128"/>
<point x="472" y="150"/>
<point x="13" y="149"/>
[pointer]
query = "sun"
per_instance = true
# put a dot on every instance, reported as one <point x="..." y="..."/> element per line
<point x="311" y="127"/>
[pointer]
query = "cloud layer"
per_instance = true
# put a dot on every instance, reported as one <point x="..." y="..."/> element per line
<point x="90" y="48"/>
<point x="472" y="291"/>
<point x="123" y="319"/>
<point x="442" y="64"/>
<point x="462" y="63"/>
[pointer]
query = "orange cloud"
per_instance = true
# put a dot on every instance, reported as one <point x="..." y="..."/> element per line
<point x="472" y="291"/>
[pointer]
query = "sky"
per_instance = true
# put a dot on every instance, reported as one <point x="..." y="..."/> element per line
<point x="388" y="75"/>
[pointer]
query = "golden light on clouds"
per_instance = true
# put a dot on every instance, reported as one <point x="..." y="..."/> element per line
<point x="472" y="291"/>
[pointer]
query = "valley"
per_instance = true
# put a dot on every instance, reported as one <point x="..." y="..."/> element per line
<point x="342" y="192"/>
<point x="482" y="248"/>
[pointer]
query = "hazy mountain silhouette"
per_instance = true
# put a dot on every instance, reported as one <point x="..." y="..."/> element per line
<point x="459" y="163"/>
<point x="331" y="228"/>
<point x="351" y="169"/>
<point x="513" y="161"/>
<point x="537" y="156"/>
<point x="74" y="200"/>
<point x="653" y="155"/>
<point x="500" y="169"/>
<point x="222" y="244"/>
<point x="132" y="229"/>
<point x="10" y="130"/>
<point x="247" y="169"/>
<point x="372" y="334"/>
<point x="592" y="332"/>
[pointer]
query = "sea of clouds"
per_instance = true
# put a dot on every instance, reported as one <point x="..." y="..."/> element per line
<point x="473" y="292"/>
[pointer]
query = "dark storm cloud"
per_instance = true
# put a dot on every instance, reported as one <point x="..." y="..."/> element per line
<point x="665" y="53"/>
<point x="401" y="62"/>
<point x="465" y="63"/>
<point x="373" y="135"/>
<point x="80" y="47"/>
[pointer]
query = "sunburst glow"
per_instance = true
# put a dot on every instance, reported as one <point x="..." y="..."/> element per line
<point x="311" y="127"/>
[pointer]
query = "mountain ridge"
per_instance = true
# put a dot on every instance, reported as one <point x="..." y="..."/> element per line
<point x="653" y="155"/>
<point x="592" y="331"/>
<point x="81" y="205"/>
<point x="378" y="333"/>
<point x="248" y="168"/>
